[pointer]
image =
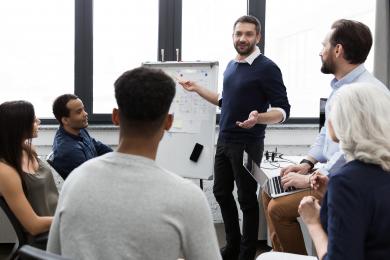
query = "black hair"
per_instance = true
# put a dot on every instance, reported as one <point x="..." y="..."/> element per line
<point x="249" y="19"/>
<point x="355" y="37"/>
<point x="59" y="106"/>
<point x="144" y="96"/>
<point x="16" y="121"/>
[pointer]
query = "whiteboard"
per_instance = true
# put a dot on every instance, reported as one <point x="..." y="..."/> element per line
<point x="194" y="121"/>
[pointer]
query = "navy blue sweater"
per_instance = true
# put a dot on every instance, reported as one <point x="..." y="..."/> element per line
<point x="356" y="212"/>
<point x="247" y="88"/>
<point x="69" y="151"/>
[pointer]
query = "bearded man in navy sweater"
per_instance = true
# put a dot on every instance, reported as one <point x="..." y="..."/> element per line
<point x="253" y="86"/>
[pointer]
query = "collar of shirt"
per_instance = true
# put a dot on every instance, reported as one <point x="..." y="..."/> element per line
<point x="349" y="78"/>
<point x="251" y="57"/>
<point x="78" y="137"/>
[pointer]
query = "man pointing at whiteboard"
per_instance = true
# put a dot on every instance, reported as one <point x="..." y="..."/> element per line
<point x="253" y="96"/>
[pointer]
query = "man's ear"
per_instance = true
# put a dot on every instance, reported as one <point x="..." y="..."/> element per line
<point x="258" y="38"/>
<point x="64" y="120"/>
<point x="115" y="116"/>
<point x="339" y="50"/>
<point x="168" y="122"/>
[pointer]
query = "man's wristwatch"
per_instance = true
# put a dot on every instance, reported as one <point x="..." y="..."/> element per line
<point x="308" y="162"/>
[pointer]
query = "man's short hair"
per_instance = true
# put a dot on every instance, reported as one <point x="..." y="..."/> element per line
<point x="355" y="37"/>
<point x="249" y="19"/>
<point x="144" y="97"/>
<point x="59" y="106"/>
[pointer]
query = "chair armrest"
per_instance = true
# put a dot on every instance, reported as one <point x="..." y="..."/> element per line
<point x="43" y="237"/>
<point x="29" y="252"/>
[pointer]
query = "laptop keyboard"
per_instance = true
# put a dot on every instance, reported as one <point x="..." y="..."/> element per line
<point x="278" y="187"/>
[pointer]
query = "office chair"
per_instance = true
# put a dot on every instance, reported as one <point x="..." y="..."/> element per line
<point x="322" y="113"/>
<point x="59" y="181"/>
<point x="19" y="231"/>
<point x="49" y="158"/>
<point x="28" y="252"/>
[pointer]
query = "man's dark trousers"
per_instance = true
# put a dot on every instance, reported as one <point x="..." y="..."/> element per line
<point x="227" y="169"/>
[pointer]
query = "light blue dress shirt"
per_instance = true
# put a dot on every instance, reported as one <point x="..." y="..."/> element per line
<point x="324" y="149"/>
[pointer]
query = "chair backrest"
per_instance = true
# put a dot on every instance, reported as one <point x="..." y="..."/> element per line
<point x="59" y="181"/>
<point x="18" y="228"/>
<point x="29" y="252"/>
<point x="322" y="112"/>
<point x="49" y="158"/>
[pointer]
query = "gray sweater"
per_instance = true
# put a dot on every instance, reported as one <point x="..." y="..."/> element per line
<point x="121" y="206"/>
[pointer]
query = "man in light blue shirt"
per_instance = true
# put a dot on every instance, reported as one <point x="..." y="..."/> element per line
<point x="324" y="150"/>
<point x="345" y="49"/>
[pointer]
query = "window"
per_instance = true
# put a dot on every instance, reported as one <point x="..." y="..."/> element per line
<point x="125" y="35"/>
<point x="37" y="52"/>
<point x="293" y="41"/>
<point x="39" y="60"/>
<point x="207" y="31"/>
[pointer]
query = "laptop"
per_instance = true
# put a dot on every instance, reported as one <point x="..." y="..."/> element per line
<point x="268" y="174"/>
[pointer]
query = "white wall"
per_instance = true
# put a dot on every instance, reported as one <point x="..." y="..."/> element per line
<point x="290" y="139"/>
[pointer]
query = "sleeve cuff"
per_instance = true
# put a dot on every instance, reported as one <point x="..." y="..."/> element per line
<point x="323" y="171"/>
<point x="219" y="98"/>
<point x="281" y="111"/>
<point x="316" y="153"/>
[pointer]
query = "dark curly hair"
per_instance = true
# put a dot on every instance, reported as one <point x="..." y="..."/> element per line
<point x="59" y="106"/>
<point x="144" y="96"/>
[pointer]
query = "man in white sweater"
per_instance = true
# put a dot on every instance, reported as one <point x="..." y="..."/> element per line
<point x="122" y="205"/>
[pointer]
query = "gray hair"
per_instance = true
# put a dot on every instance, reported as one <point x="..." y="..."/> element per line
<point x="359" y="114"/>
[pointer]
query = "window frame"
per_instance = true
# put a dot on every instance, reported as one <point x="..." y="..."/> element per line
<point x="169" y="39"/>
<point x="257" y="8"/>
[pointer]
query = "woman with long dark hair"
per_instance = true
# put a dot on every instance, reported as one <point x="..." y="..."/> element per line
<point x="26" y="182"/>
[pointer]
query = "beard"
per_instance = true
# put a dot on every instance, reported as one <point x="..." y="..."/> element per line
<point x="80" y="124"/>
<point x="327" y="67"/>
<point x="244" y="51"/>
